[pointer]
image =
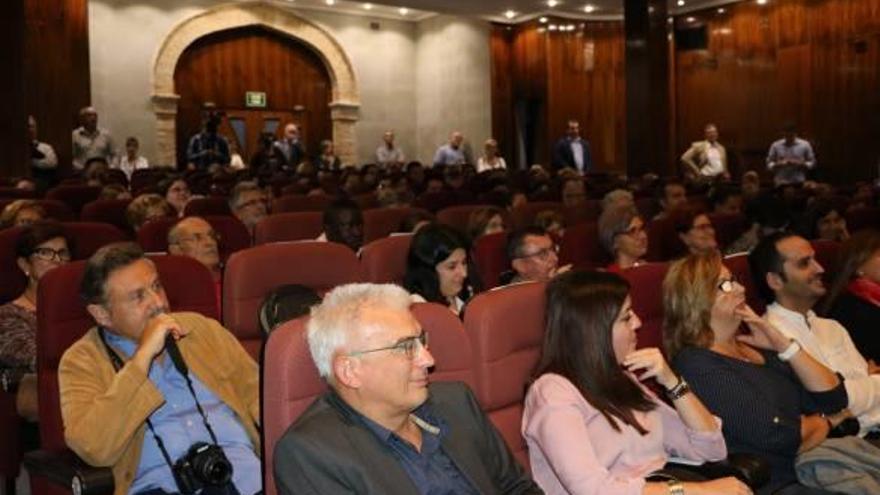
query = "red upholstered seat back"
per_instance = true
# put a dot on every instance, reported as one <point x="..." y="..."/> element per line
<point x="110" y="211"/>
<point x="252" y="273"/>
<point x="728" y="228"/>
<point x="646" y="292"/>
<point x="153" y="235"/>
<point x="663" y="241"/>
<point x="827" y="256"/>
<point x="580" y="247"/>
<point x="523" y="216"/>
<point x="74" y="196"/>
<point x="506" y="331"/>
<point x="298" y="226"/>
<point x="88" y="237"/>
<point x="588" y="211"/>
<point x="384" y="260"/>
<point x="62" y="319"/>
<point x="234" y="236"/>
<point x="381" y="222"/>
<point x="738" y="265"/>
<point x="457" y="216"/>
<point x="12" y="279"/>
<point x="286" y="204"/>
<point x="448" y="343"/>
<point x="863" y="218"/>
<point x="57" y="210"/>
<point x="490" y="258"/>
<point x="200" y="207"/>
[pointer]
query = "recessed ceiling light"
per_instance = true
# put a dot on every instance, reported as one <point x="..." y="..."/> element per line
<point x="552" y="3"/>
<point x="403" y="10"/>
<point x="552" y="27"/>
<point x="330" y="2"/>
<point x="510" y="14"/>
<point x="368" y="6"/>
<point x="721" y="10"/>
<point x="543" y="20"/>
<point x="589" y="8"/>
<point x="691" y="19"/>
<point x="680" y="3"/>
<point x="762" y="2"/>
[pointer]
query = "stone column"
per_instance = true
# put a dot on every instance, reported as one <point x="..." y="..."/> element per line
<point x="344" y="116"/>
<point x="165" y="108"/>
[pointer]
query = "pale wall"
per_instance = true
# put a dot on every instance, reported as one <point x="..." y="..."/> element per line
<point x="432" y="76"/>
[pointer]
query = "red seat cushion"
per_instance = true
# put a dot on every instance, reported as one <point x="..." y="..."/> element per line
<point x="384" y="260"/>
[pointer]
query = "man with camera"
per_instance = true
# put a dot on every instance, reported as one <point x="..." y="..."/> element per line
<point x="208" y="147"/>
<point x="169" y="401"/>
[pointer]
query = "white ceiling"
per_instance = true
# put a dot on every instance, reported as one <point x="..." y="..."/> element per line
<point x="494" y="9"/>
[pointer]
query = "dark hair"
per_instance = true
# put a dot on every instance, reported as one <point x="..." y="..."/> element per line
<point x="819" y="209"/>
<point x="853" y="254"/>
<point x="430" y="246"/>
<point x="765" y="258"/>
<point x="166" y="183"/>
<point x="517" y="239"/>
<point x="683" y="218"/>
<point x="718" y="195"/>
<point x="331" y="213"/>
<point x="660" y="188"/>
<point x="37" y="233"/>
<point x="286" y="303"/>
<point x="102" y="264"/>
<point x="578" y="344"/>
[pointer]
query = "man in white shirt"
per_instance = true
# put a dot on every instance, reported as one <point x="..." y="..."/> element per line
<point x="389" y="154"/>
<point x="706" y="159"/>
<point x="131" y="160"/>
<point x="90" y="141"/>
<point x="790" y="280"/>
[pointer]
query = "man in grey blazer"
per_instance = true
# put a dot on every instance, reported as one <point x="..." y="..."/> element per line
<point x="382" y="429"/>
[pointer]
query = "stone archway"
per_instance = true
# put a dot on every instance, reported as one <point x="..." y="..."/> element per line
<point x="345" y="98"/>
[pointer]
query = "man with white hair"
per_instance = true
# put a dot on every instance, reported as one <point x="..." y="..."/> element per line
<point x="451" y="153"/>
<point x="90" y="141"/>
<point x="382" y="428"/>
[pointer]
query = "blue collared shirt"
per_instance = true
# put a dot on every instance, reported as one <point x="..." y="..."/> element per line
<point x="179" y="425"/>
<point x="800" y="149"/>
<point x="431" y="470"/>
<point x="447" y="155"/>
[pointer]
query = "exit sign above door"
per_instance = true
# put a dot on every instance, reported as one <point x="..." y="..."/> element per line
<point x="255" y="99"/>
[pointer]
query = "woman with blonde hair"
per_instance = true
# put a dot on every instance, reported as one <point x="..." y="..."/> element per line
<point x="21" y="212"/>
<point x="774" y="399"/>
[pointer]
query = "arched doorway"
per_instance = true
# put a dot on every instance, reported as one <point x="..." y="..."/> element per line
<point x="223" y="66"/>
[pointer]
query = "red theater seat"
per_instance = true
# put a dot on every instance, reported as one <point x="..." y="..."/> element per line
<point x="200" y="207"/>
<point x="384" y="260"/>
<point x="524" y="215"/>
<point x="15" y="193"/>
<point x="826" y="254"/>
<point x="57" y="210"/>
<point x="252" y="273"/>
<point x="506" y="328"/>
<point x="381" y="222"/>
<point x="293" y="226"/>
<point x="738" y="265"/>
<point x="863" y="218"/>
<point x="286" y="204"/>
<point x="728" y="228"/>
<point x="74" y="196"/>
<point x="457" y="216"/>
<point x="88" y="237"/>
<point x="580" y="247"/>
<point x="646" y="292"/>
<point x="234" y="236"/>
<point x="111" y="211"/>
<point x="490" y="258"/>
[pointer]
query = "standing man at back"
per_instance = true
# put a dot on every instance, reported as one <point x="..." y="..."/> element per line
<point x="90" y="141"/>
<point x="790" y="157"/>
<point x="571" y="151"/>
<point x="706" y="159"/>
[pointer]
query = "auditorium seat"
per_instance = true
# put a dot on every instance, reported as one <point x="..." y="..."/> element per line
<point x="87" y="237"/>
<point x="366" y="201"/>
<point x="57" y="210"/>
<point x="297" y="203"/>
<point x="7" y="192"/>
<point x="663" y="241"/>
<point x="646" y="293"/>
<point x="489" y="255"/>
<point x="647" y="207"/>
<point x="826" y="255"/>
<point x="580" y="247"/>
<point x="153" y="235"/>
<point x="505" y="328"/>
<point x="384" y="260"/>
<point x="144" y="179"/>
<point x="738" y="264"/>
<point x="62" y="319"/>
<point x="863" y="218"/>
<point x="111" y="211"/>
<point x="252" y="273"/>
<point x="728" y="228"/>
<point x="588" y="211"/>
<point x="457" y="216"/>
<point x="290" y="226"/>
<point x="234" y="236"/>
<point x="524" y="215"/>
<point x="381" y="222"/>
<point x="200" y="207"/>
<point x="74" y="196"/>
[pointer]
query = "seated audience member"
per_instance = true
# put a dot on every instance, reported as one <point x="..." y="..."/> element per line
<point x="824" y="221"/>
<point x="327" y="159"/>
<point x="147" y="207"/>
<point x="623" y="236"/>
<point x="789" y="278"/>
<point x="114" y="191"/>
<point x="671" y="196"/>
<point x="389" y="154"/>
<point x="533" y="255"/>
<point x="131" y="160"/>
<point x="769" y="394"/>
<point x="248" y="203"/>
<point x="24" y="184"/>
<point x="552" y="222"/>
<point x="764" y="215"/>
<point x="40" y="247"/>
<point x="194" y="237"/>
<point x="415" y="176"/>
<point x="451" y="153"/>
<point x="437" y="267"/>
<point x="616" y="198"/>
<point x="176" y="192"/>
<point x="483" y="221"/>
<point x="726" y="199"/>
<point x="414" y="221"/>
<point x="382" y="428"/>
<point x="127" y="374"/>
<point x="854" y="297"/>
<point x="591" y="426"/>
<point x="269" y="158"/>
<point x="343" y="223"/>
<point x="490" y="160"/>
<point x="750" y="185"/>
<point x="96" y="171"/>
<point x="573" y="194"/>
<point x="695" y="230"/>
<point x="21" y="212"/>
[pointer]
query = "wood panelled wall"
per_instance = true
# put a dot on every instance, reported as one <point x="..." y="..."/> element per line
<point x="13" y="138"/>
<point x="815" y="62"/>
<point x="223" y="66"/>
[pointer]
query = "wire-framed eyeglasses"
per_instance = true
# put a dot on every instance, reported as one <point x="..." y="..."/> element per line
<point x="408" y="346"/>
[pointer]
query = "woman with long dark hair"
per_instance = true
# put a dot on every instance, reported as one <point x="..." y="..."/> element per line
<point x="437" y="267"/>
<point x="591" y="426"/>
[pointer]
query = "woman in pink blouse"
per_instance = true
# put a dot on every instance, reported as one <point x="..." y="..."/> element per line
<point x="591" y="427"/>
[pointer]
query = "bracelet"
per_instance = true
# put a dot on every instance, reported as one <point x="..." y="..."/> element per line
<point x="675" y="487"/>
<point x="789" y="351"/>
<point x="678" y="391"/>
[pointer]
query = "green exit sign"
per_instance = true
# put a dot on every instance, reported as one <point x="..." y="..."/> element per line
<point x="255" y="99"/>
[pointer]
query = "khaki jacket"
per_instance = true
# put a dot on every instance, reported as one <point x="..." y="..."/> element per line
<point x="695" y="158"/>
<point x="105" y="412"/>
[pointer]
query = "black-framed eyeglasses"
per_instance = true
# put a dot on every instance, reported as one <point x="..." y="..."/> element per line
<point x="542" y="254"/>
<point x="726" y="285"/>
<point x="49" y="254"/>
<point x="199" y="237"/>
<point x="408" y="346"/>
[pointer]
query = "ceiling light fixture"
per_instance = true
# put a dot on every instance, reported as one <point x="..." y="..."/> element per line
<point x="552" y="27"/>
<point x="552" y="3"/>
<point x="368" y="6"/>
<point x="762" y="2"/>
<point x="691" y="19"/>
<point x="589" y="8"/>
<point x="721" y="10"/>
<point x="403" y="11"/>
<point x="543" y="20"/>
<point x="510" y="14"/>
<point x="330" y="2"/>
<point x="680" y="3"/>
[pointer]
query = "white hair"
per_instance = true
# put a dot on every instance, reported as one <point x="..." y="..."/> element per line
<point x="338" y="317"/>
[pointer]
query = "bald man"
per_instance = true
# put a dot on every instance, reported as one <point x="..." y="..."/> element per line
<point x="451" y="153"/>
<point x="194" y="237"/>
<point x="90" y="141"/>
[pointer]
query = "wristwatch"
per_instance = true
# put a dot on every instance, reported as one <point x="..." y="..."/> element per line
<point x="675" y="487"/>
<point x="678" y="391"/>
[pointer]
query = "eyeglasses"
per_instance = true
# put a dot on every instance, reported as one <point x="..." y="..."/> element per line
<point x="703" y="227"/>
<point x="253" y="202"/>
<point x="726" y="285"/>
<point x="634" y="230"/>
<point x="408" y="346"/>
<point x="49" y="254"/>
<point x="199" y="237"/>
<point x="542" y="254"/>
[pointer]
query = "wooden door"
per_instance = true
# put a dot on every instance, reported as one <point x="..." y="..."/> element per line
<point x="222" y="67"/>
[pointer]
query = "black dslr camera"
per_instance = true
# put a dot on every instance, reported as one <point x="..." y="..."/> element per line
<point x="202" y="466"/>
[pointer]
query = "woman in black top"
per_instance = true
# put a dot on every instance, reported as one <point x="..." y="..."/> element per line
<point x="769" y="394"/>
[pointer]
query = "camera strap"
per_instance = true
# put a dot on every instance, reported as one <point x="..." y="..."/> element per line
<point x="118" y="363"/>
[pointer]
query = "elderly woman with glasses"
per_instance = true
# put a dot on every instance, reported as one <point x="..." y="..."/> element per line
<point x="774" y="399"/>
<point x="695" y="230"/>
<point x="40" y="247"/>
<point x="623" y="236"/>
